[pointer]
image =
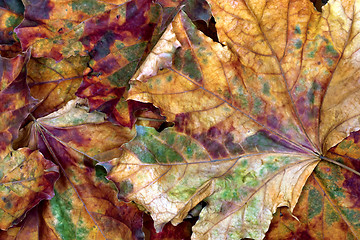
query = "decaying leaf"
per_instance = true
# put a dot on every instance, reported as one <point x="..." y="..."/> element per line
<point x="116" y="35"/>
<point x="57" y="30"/>
<point x="85" y="203"/>
<point x="11" y="14"/>
<point x="233" y="125"/>
<point x="54" y="84"/>
<point x="27" y="229"/>
<point x="26" y="177"/>
<point x="253" y="115"/>
<point x="328" y="207"/>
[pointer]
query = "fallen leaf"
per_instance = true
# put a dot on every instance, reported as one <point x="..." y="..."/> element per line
<point x="157" y="171"/>
<point x="328" y="207"/>
<point x="118" y="45"/>
<point x="54" y="83"/>
<point x="26" y="177"/>
<point x="11" y="15"/>
<point x="250" y="112"/>
<point x="85" y="203"/>
<point x="253" y="114"/>
<point x="198" y="10"/>
<point x="27" y="229"/>
<point x="54" y="29"/>
<point x="116" y="35"/>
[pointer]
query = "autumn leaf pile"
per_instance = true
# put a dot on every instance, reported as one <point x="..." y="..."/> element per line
<point x="122" y="119"/>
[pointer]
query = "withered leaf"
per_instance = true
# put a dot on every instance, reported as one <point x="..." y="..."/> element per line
<point x="329" y="204"/>
<point x="54" y="83"/>
<point x="85" y="203"/>
<point x="253" y="114"/>
<point x="26" y="177"/>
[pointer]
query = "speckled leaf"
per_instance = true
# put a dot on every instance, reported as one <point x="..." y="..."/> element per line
<point x="56" y="29"/>
<point x="116" y="36"/>
<point x="329" y="205"/>
<point x="316" y="57"/>
<point x="11" y="15"/>
<point x="26" y="177"/>
<point x="119" y="43"/>
<point x="170" y="173"/>
<point x="8" y="21"/>
<point x="54" y="83"/>
<point x="85" y="205"/>
<point x="263" y="99"/>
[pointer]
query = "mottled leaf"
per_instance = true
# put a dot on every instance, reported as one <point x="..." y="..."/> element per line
<point x="8" y="21"/>
<point x="316" y="58"/>
<point x="11" y="15"/>
<point x="260" y="109"/>
<point x="118" y="45"/>
<point x="26" y="177"/>
<point x="27" y="229"/>
<point x="170" y="173"/>
<point x="54" y="83"/>
<point x="85" y="204"/>
<point x="56" y="29"/>
<point x="115" y="35"/>
<point x="329" y="205"/>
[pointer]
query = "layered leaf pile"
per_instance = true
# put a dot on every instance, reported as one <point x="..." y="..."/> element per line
<point x="141" y="120"/>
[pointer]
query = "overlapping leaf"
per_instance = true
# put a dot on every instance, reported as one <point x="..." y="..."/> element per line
<point x="169" y="232"/>
<point x="253" y="116"/>
<point x="26" y="177"/>
<point x="54" y="29"/>
<point x="29" y="228"/>
<point x="54" y="84"/>
<point x="328" y="207"/>
<point x="11" y="14"/>
<point x="124" y="39"/>
<point x="85" y="203"/>
<point x="116" y="35"/>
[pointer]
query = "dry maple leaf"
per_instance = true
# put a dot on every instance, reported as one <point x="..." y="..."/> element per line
<point x="85" y="204"/>
<point x="54" y="83"/>
<point x="254" y="115"/>
<point x="329" y="204"/>
<point x="117" y="35"/>
<point x="26" y="177"/>
<point x="11" y="14"/>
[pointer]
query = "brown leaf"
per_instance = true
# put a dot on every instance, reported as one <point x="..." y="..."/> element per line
<point x="54" y="83"/>
<point x="85" y="203"/>
<point x="11" y="14"/>
<point x="328" y="207"/>
<point x="26" y="177"/>
<point x="253" y="115"/>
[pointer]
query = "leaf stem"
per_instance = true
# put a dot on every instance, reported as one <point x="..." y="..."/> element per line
<point x="339" y="164"/>
<point x="150" y="119"/>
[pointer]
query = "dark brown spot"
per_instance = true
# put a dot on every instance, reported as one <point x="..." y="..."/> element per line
<point x="215" y="148"/>
<point x="352" y="184"/>
<point x="213" y="132"/>
<point x="181" y="120"/>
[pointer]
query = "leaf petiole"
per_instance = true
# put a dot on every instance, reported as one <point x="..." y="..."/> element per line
<point x="339" y="164"/>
